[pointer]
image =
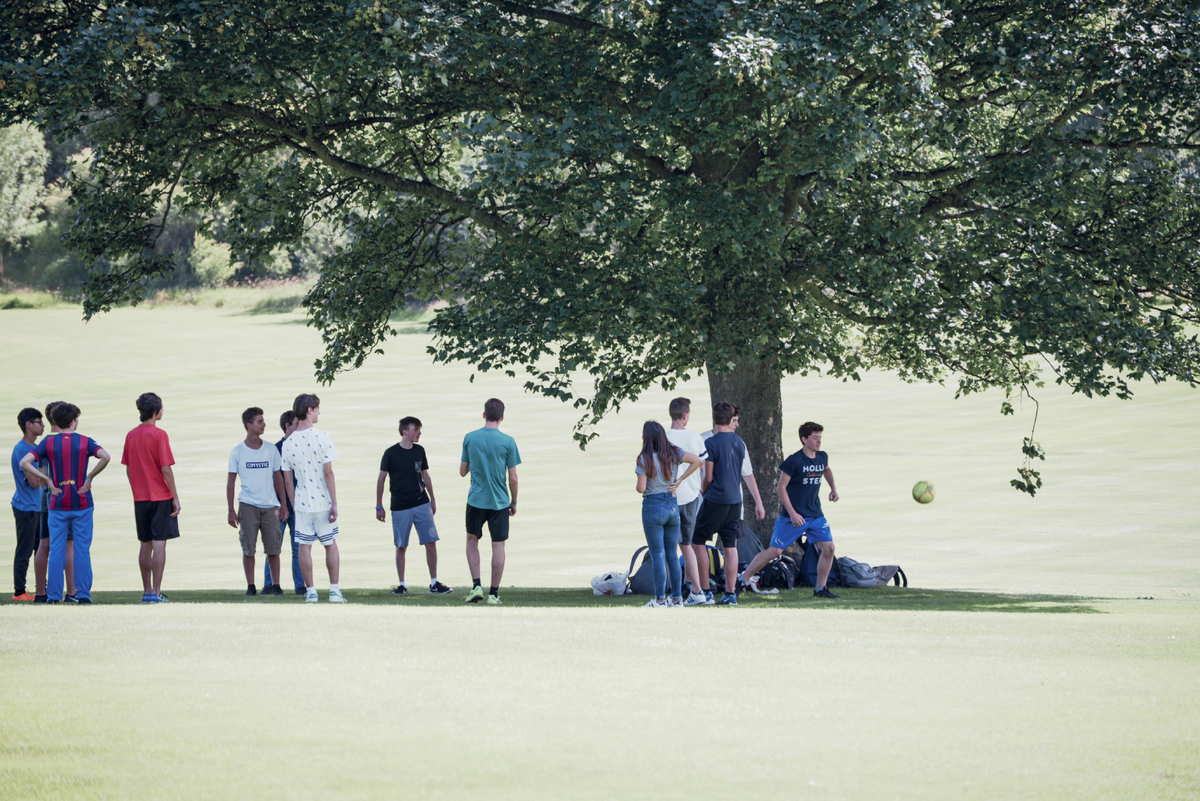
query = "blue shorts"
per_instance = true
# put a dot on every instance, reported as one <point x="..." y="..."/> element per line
<point x="785" y="533"/>
<point x="419" y="516"/>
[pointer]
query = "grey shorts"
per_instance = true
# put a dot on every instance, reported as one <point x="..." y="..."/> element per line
<point x="252" y="521"/>
<point x="419" y="516"/>
<point x="687" y="519"/>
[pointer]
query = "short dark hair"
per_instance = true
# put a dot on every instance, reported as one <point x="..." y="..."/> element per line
<point x="286" y="419"/>
<point x="50" y="410"/>
<point x="148" y="405"/>
<point x="408" y="422"/>
<point x="737" y="410"/>
<point x="65" y="414"/>
<point x="493" y="410"/>
<point x="680" y="407"/>
<point x="249" y="415"/>
<point x="722" y="413"/>
<point x="303" y="403"/>
<point x="808" y="429"/>
<point x="27" y="415"/>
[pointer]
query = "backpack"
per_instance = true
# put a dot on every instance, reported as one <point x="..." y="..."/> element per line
<point x="808" y="569"/>
<point x="779" y="574"/>
<point x="852" y="573"/>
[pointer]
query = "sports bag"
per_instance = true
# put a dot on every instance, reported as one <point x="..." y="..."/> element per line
<point x="852" y="573"/>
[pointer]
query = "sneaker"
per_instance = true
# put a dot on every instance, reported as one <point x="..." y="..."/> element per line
<point x="476" y="595"/>
<point x="400" y="590"/>
<point x="162" y="598"/>
<point x="739" y="585"/>
<point x="708" y="598"/>
<point x="83" y="601"/>
<point x="695" y="599"/>
<point x="752" y="585"/>
<point x="336" y="597"/>
<point x="39" y="599"/>
<point x="823" y="593"/>
<point x="440" y="589"/>
<point x="299" y="591"/>
<point x="728" y="599"/>
<point x="251" y="592"/>
<point x="275" y="590"/>
<point x="27" y="597"/>
<point x="149" y="598"/>
<point x="675" y="602"/>
<point x="310" y="597"/>
<point x="70" y="599"/>
<point x="494" y="600"/>
<point x="654" y="603"/>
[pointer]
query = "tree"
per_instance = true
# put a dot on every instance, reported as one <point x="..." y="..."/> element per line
<point x="637" y="191"/>
<point x="23" y="159"/>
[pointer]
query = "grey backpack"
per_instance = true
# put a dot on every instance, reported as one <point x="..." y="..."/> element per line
<point x="852" y="573"/>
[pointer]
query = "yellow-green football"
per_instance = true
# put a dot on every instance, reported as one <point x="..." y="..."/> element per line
<point x="923" y="492"/>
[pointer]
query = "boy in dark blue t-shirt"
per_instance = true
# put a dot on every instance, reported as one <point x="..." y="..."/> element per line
<point x="799" y="491"/>
<point x="721" y="512"/>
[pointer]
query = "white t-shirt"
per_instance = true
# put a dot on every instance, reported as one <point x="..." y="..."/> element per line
<point x="306" y="453"/>
<point x="747" y="470"/>
<point x="256" y="469"/>
<point x="691" y="442"/>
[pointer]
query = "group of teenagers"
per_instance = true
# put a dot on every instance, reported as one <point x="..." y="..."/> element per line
<point x="287" y="486"/>
<point x="691" y="487"/>
<point x="690" y="484"/>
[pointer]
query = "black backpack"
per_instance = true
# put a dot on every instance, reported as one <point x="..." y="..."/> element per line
<point x="780" y="574"/>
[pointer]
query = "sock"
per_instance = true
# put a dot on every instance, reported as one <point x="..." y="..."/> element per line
<point x="494" y="591"/>
<point x="433" y="582"/>
<point x="474" y="583"/>
<point x="818" y="589"/>
<point x="402" y="584"/>
<point x="334" y="588"/>
<point x="310" y="589"/>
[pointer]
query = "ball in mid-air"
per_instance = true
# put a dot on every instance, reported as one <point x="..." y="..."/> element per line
<point x="923" y="492"/>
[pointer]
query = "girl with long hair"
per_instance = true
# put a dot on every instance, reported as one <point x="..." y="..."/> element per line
<point x="660" y="512"/>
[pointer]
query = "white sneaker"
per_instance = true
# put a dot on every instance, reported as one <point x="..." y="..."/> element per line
<point x="675" y="602"/>
<point x="310" y="597"/>
<point x="654" y="603"/>
<point x="695" y="599"/>
<point x="335" y="597"/>
<point x="752" y="585"/>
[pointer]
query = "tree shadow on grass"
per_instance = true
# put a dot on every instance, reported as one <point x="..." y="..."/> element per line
<point x="282" y="305"/>
<point x="890" y="599"/>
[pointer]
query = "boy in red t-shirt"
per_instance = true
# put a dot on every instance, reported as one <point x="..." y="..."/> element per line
<point x="147" y="458"/>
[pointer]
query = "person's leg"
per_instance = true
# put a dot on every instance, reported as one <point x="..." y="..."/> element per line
<point x="825" y="563"/>
<point x="158" y="564"/>
<point x="431" y="559"/>
<point x="653" y="514"/>
<point x="671" y="546"/>
<point x="27" y="545"/>
<point x="69" y="564"/>
<point x="497" y="562"/>
<point x="760" y="561"/>
<point x="400" y="557"/>
<point x="41" y="559"/>
<point x="82" y="546"/>
<point x="145" y="561"/>
<point x="248" y="569"/>
<point x="473" y="556"/>
<point x="59" y="526"/>
<point x="306" y="565"/>
<point x="731" y="571"/>
<point x="702" y="566"/>
<point x="333" y="561"/>
<point x="272" y="540"/>
<point x="297" y="575"/>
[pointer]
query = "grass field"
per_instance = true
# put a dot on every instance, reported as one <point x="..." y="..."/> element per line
<point x="1047" y="648"/>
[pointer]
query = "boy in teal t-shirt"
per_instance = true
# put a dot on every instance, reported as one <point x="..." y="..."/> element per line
<point x="490" y="457"/>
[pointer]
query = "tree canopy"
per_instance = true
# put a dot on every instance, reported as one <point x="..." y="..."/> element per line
<point x="640" y="190"/>
<point x="23" y="157"/>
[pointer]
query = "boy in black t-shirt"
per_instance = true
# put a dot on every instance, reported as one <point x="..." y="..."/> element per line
<point x="799" y="491"/>
<point x="412" y="504"/>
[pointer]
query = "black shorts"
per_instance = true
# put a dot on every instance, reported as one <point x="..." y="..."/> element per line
<point x="718" y="518"/>
<point x="44" y="530"/>
<point x="497" y="522"/>
<point x="154" y="521"/>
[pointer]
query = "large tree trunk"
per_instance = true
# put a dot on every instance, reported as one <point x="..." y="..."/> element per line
<point x="754" y="387"/>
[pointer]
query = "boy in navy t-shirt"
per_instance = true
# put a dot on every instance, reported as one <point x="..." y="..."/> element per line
<point x="721" y="512"/>
<point x="799" y="491"/>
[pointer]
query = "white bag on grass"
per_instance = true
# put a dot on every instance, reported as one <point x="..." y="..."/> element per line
<point x="609" y="584"/>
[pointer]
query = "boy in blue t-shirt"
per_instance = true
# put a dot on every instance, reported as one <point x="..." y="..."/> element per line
<point x="799" y="491"/>
<point x="26" y="501"/>
<point x="721" y="512"/>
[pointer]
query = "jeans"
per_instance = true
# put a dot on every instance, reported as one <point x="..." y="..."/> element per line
<point x="297" y="576"/>
<point x="660" y="520"/>
<point x="79" y="525"/>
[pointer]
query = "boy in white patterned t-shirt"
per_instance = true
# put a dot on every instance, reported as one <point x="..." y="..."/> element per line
<point x="308" y="456"/>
